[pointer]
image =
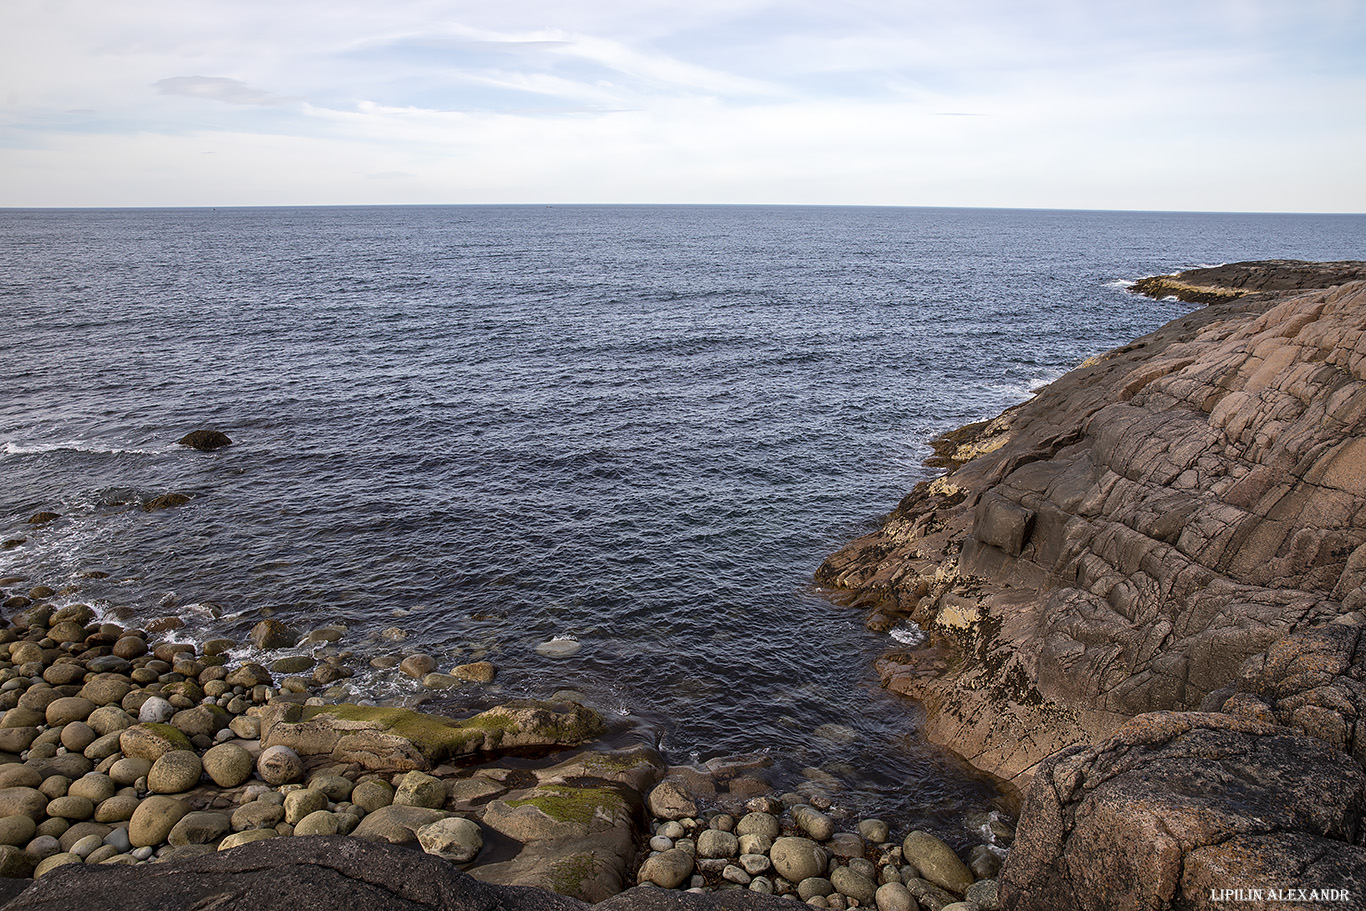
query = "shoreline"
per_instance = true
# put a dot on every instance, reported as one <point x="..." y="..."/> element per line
<point x="101" y="716"/>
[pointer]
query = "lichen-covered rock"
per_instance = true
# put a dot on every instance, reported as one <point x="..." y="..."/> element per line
<point x="1176" y="804"/>
<point x="151" y="741"/>
<point x="558" y="812"/>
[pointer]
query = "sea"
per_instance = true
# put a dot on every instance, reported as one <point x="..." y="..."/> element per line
<point x="603" y="447"/>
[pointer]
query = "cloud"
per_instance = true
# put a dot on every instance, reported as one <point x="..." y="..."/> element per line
<point x="218" y="88"/>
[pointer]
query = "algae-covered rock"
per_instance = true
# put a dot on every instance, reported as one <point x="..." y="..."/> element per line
<point x="397" y="739"/>
<point x="557" y="811"/>
<point x="152" y="740"/>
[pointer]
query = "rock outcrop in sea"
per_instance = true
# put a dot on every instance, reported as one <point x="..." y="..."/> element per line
<point x="1162" y="554"/>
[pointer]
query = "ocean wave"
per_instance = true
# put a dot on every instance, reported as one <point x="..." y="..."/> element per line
<point x="13" y="448"/>
<point x="1122" y="284"/>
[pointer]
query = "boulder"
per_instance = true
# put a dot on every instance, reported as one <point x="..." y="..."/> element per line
<point x="271" y="634"/>
<point x="279" y="765"/>
<point x="154" y="819"/>
<point x="396" y="825"/>
<point x="797" y="859"/>
<point x="151" y="741"/>
<point x="455" y="838"/>
<point x="1177" y="804"/>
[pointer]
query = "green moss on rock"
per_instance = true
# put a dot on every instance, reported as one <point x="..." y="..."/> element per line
<point x="580" y="806"/>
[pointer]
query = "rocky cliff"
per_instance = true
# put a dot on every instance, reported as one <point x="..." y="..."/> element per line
<point x="1124" y="541"/>
<point x="1144" y="592"/>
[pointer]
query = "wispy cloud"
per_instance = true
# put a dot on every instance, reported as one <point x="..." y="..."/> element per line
<point x="979" y="102"/>
<point x="218" y="88"/>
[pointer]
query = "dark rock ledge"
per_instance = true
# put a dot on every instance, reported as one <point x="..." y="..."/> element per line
<point x="327" y="873"/>
<point x="1144" y="593"/>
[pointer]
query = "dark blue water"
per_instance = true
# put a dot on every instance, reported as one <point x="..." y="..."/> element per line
<point x="642" y="427"/>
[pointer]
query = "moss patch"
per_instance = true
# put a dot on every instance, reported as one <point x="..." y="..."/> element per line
<point x="439" y="738"/>
<point x="567" y="876"/>
<point x="575" y="805"/>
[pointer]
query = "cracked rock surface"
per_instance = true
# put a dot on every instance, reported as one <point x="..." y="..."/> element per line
<point x="1124" y="541"/>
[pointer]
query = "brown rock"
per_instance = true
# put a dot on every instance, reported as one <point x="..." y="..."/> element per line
<point x="1125" y="540"/>
<point x="1176" y="804"/>
<point x="272" y="634"/>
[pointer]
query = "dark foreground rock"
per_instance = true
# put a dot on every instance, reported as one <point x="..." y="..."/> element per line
<point x="326" y="873"/>
<point x="1178" y="807"/>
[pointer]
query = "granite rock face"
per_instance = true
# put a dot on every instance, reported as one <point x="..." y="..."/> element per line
<point x="1177" y="807"/>
<point x="1123" y="542"/>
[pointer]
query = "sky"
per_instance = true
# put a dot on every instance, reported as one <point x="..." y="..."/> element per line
<point x="1191" y="105"/>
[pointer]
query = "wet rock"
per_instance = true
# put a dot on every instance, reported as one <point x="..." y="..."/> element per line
<point x="271" y="634"/>
<point x="477" y="671"/>
<point x="417" y="666"/>
<point x="205" y="440"/>
<point x="167" y="501"/>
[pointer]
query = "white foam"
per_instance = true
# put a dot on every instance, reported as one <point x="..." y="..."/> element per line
<point x="907" y="633"/>
<point x="95" y="447"/>
<point x="1123" y="284"/>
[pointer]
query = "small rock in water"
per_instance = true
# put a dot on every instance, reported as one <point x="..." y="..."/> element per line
<point x="417" y="666"/>
<point x="478" y="671"/>
<point x="205" y="440"/>
<point x="836" y="733"/>
<point x="875" y="830"/>
<point x="559" y="647"/>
